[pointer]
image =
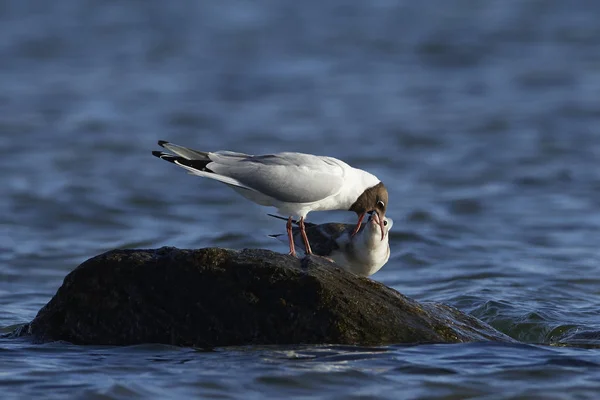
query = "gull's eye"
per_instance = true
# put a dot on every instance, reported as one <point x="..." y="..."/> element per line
<point x="384" y="223"/>
<point x="380" y="204"/>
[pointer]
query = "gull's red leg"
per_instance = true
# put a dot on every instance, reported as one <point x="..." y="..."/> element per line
<point x="360" y="220"/>
<point x="290" y="237"/>
<point x="304" y="237"/>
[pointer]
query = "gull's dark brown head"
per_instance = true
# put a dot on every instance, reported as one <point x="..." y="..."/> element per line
<point x="373" y="199"/>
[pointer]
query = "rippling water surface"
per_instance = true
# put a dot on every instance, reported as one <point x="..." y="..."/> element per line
<point x="481" y="117"/>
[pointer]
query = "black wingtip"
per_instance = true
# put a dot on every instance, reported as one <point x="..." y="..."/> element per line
<point x="162" y="143"/>
<point x="165" y="156"/>
<point x="200" y="165"/>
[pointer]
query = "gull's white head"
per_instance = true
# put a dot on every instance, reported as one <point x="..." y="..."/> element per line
<point x="367" y="251"/>
<point x="372" y="232"/>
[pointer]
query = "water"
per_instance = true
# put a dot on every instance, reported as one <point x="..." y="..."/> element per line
<point x="481" y="118"/>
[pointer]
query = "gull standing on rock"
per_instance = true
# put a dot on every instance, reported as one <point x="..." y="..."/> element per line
<point x="362" y="254"/>
<point x="294" y="183"/>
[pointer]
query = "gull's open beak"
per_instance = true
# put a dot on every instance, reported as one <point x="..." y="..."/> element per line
<point x="360" y="220"/>
<point x="379" y="220"/>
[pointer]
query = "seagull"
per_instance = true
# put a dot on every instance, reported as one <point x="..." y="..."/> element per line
<point x="293" y="183"/>
<point x="362" y="254"/>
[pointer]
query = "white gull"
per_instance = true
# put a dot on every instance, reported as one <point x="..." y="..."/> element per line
<point x="294" y="183"/>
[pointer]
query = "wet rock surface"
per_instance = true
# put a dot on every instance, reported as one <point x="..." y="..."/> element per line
<point x="218" y="297"/>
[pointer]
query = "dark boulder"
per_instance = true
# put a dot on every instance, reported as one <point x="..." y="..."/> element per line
<point x="218" y="297"/>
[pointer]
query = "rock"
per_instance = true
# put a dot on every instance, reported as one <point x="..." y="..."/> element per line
<point x="218" y="297"/>
<point x="577" y="336"/>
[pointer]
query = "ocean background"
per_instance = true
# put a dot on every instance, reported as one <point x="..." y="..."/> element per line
<point x="481" y="117"/>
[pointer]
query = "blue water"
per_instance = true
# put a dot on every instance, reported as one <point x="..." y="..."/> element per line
<point x="481" y="117"/>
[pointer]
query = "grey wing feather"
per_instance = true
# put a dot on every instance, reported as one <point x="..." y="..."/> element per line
<point x="336" y="229"/>
<point x="322" y="238"/>
<point x="284" y="177"/>
<point x="184" y="152"/>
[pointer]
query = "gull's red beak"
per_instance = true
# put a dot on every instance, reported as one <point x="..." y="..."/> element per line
<point x="360" y="220"/>
<point x="379" y="220"/>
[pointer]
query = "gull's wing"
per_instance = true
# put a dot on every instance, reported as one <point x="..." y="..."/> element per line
<point x="324" y="239"/>
<point x="286" y="177"/>
<point x="195" y="161"/>
<point x="198" y="167"/>
<point x="184" y="152"/>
